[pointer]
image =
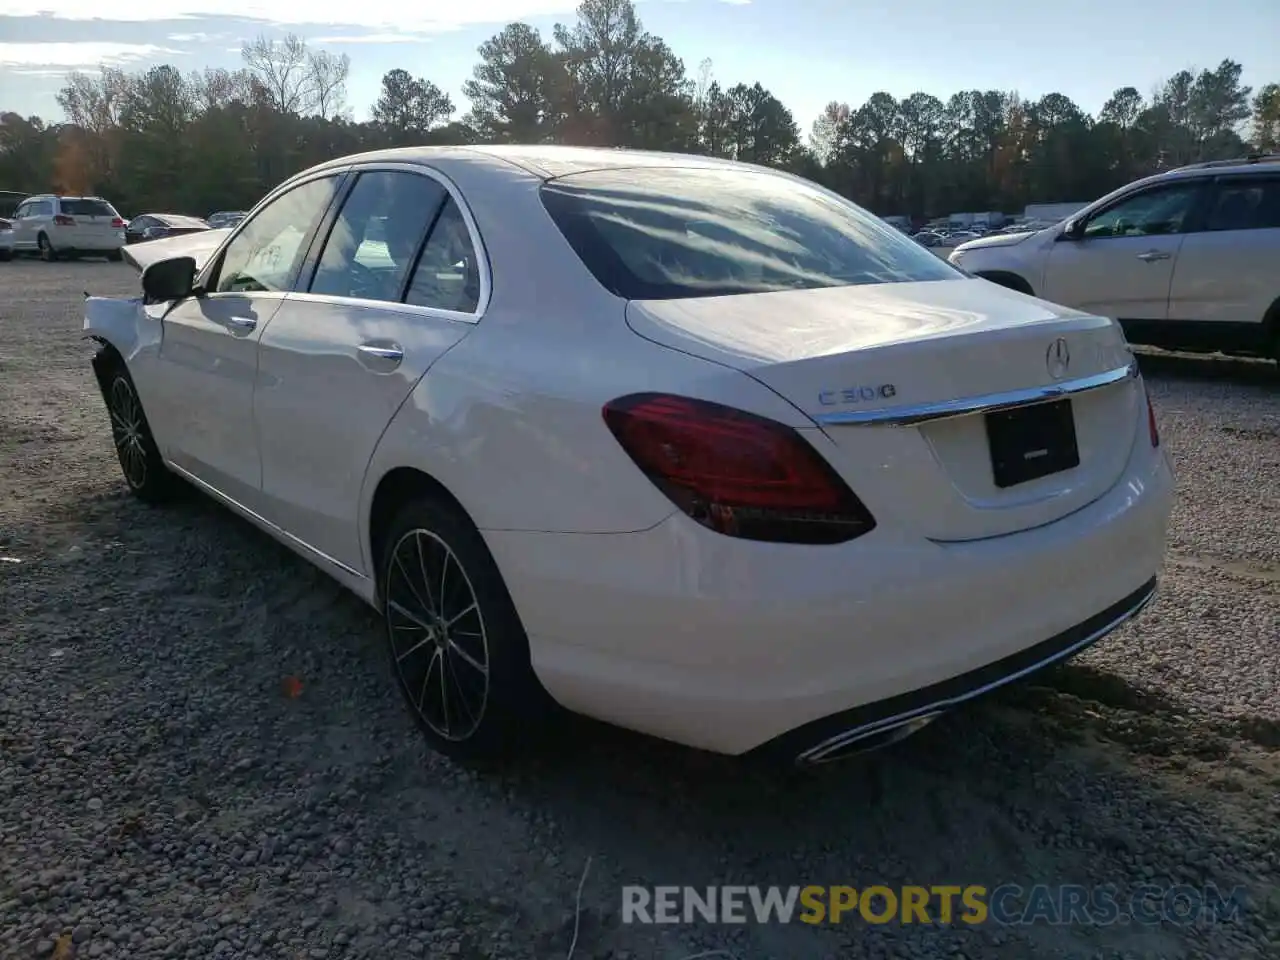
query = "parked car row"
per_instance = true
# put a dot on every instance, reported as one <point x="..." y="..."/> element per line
<point x="54" y="227"/>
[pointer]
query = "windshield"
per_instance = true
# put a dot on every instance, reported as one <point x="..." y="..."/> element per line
<point x="86" y="208"/>
<point x="668" y="233"/>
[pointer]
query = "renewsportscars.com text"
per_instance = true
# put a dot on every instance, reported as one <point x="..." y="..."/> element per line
<point x="973" y="904"/>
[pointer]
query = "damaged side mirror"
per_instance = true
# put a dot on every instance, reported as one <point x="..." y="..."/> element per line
<point x="171" y="279"/>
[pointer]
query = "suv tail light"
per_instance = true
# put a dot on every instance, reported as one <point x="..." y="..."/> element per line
<point x="736" y="473"/>
<point x="62" y="220"/>
<point x="1152" y="429"/>
<point x="118" y="222"/>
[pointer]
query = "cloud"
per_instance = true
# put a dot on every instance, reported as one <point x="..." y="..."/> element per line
<point x="72" y="55"/>
<point x="194" y="37"/>
<point x="374" y="38"/>
<point x="388" y="16"/>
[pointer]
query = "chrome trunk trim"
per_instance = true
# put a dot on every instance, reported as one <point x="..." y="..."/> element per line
<point x="910" y="415"/>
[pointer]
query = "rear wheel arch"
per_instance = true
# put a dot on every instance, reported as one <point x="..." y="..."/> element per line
<point x="398" y="487"/>
<point x="1271" y="330"/>
<point x="1006" y="278"/>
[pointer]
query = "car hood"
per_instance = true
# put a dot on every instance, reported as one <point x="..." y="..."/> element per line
<point x="200" y="246"/>
<point x="999" y="240"/>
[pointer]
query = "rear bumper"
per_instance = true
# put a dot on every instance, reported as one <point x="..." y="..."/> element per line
<point x="86" y="244"/>
<point x="728" y="645"/>
<point x="834" y="736"/>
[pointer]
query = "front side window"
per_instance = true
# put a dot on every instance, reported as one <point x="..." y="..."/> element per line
<point x="265" y="255"/>
<point x="448" y="274"/>
<point x="1152" y="213"/>
<point x="374" y="239"/>
<point x="666" y="233"/>
<point x="1245" y="204"/>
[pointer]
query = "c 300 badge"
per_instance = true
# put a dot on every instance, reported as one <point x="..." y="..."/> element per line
<point x="831" y="398"/>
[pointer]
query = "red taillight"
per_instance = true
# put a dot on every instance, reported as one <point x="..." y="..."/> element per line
<point x="736" y="473"/>
<point x="117" y="222"/>
<point x="62" y="220"/>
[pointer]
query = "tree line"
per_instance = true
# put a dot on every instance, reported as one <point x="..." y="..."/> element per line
<point x="161" y="140"/>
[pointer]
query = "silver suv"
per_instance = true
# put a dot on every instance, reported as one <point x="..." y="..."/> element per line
<point x="55" y="226"/>
<point x="1186" y="259"/>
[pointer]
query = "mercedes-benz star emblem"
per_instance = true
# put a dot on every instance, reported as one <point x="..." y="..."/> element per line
<point x="1058" y="358"/>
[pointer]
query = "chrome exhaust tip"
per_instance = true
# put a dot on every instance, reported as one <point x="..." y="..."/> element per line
<point x="866" y="739"/>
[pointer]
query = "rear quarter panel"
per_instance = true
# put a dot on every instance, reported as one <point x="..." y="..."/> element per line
<point x="510" y="420"/>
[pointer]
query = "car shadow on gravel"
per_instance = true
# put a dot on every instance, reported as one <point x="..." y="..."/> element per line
<point x="1216" y="366"/>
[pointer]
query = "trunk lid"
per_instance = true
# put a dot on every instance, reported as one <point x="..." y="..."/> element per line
<point x="863" y="352"/>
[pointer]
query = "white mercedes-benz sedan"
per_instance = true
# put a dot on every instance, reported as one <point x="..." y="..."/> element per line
<point x="690" y="446"/>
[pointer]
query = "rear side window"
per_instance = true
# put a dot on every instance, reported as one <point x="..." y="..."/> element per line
<point x="670" y="233"/>
<point x="86" y="208"/>
<point x="1245" y="204"/>
<point x="447" y="276"/>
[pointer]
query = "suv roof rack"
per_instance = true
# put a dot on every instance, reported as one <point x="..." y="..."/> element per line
<point x="1237" y="162"/>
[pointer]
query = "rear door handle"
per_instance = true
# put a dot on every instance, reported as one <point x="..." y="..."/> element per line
<point x="381" y="356"/>
<point x="246" y="324"/>
<point x="1152" y="255"/>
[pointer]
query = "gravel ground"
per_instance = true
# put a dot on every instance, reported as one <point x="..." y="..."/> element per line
<point x="162" y="794"/>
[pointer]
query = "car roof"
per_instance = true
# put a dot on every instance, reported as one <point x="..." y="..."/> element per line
<point x="62" y="196"/>
<point x="1269" y="163"/>
<point x="544" y="161"/>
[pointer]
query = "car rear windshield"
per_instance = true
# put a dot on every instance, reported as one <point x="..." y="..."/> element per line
<point x="174" y="220"/>
<point x="668" y="233"/>
<point x="86" y="208"/>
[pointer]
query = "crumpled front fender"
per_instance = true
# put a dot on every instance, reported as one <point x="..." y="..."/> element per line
<point x="123" y="324"/>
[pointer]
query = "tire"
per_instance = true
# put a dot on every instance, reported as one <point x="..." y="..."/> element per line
<point x="47" y="253"/>
<point x="462" y="665"/>
<point x="6" y="256"/>
<point x="1010" y="281"/>
<point x="115" y="256"/>
<point x="144" y="471"/>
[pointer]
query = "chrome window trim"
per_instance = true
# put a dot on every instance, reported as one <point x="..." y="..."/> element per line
<point x="483" y="266"/>
<point x="909" y="415"/>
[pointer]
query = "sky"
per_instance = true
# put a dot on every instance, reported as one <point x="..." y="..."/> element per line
<point x="806" y="52"/>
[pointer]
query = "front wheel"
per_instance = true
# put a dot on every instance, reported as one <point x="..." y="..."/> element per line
<point x="458" y="651"/>
<point x="140" y="461"/>
<point x="47" y="253"/>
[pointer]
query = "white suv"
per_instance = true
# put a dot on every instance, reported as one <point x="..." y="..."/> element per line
<point x="55" y="226"/>
<point x="1188" y="259"/>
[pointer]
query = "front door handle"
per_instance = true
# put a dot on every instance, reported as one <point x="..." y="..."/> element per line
<point x="247" y="324"/>
<point x="1153" y="255"/>
<point x="381" y="356"/>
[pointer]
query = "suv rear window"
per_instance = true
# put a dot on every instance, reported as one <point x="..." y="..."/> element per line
<point x="86" y="208"/>
<point x="668" y="233"/>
